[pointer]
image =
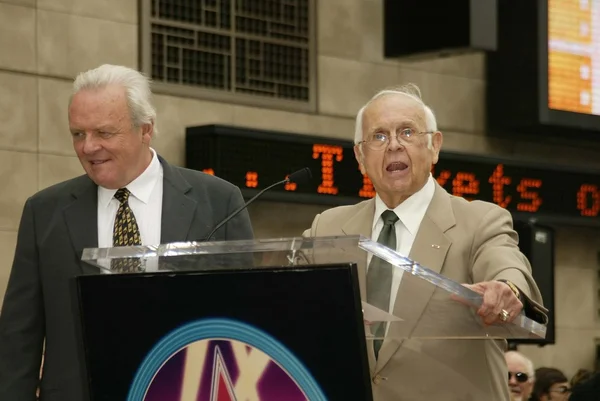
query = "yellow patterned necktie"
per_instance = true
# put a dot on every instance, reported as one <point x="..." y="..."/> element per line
<point x="125" y="233"/>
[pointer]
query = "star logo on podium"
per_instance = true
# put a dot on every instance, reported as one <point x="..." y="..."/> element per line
<point x="224" y="369"/>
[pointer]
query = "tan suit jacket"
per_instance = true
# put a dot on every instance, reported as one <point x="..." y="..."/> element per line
<point x="472" y="242"/>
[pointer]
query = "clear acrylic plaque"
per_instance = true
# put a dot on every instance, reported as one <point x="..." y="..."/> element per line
<point x="426" y="305"/>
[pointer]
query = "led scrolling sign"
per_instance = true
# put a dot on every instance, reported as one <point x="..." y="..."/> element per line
<point x="254" y="159"/>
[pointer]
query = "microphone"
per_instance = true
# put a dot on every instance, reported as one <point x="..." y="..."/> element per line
<point x="297" y="177"/>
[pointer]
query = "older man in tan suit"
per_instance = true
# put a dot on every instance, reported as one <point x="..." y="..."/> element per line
<point x="396" y="145"/>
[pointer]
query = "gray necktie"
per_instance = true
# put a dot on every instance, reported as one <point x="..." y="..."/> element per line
<point x="379" y="275"/>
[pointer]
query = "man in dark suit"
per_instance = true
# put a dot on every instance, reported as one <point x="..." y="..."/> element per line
<point x="128" y="196"/>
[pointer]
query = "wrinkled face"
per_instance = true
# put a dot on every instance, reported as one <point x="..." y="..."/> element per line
<point x="399" y="169"/>
<point x="521" y="390"/>
<point x="111" y="150"/>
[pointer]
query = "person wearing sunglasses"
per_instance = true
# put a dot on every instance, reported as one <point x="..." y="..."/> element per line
<point x="520" y="375"/>
<point x="550" y="385"/>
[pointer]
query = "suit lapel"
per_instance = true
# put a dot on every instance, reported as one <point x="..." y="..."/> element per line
<point x="429" y="250"/>
<point x="81" y="217"/>
<point x="178" y="209"/>
<point x="361" y="224"/>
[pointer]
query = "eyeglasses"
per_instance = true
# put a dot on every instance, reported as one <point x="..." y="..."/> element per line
<point x="380" y="140"/>
<point x="561" y="390"/>
<point x="519" y="376"/>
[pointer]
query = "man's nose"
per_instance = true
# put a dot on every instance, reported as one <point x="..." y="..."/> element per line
<point x="90" y="144"/>
<point x="394" y="143"/>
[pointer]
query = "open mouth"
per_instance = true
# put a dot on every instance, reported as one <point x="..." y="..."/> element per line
<point x="396" y="166"/>
<point x="97" y="162"/>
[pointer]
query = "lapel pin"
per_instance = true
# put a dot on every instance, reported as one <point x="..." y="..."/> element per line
<point x="435" y="246"/>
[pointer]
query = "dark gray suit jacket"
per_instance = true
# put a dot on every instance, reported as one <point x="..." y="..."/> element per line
<point x="57" y="224"/>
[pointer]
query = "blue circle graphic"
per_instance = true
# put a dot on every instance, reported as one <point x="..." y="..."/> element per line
<point x="220" y="328"/>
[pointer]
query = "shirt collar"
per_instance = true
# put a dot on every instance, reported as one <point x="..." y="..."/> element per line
<point x="411" y="211"/>
<point x="141" y="187"/>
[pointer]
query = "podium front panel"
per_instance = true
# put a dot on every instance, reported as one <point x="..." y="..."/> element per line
<point x="265" y="334"/>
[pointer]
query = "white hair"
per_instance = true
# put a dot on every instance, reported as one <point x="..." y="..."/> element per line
<point x="137" y="89"/>
<point x="410" y="90"/>
<point x="528" y="363"/>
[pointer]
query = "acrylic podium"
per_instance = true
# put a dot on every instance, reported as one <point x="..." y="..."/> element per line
<point x="265" y="320"/>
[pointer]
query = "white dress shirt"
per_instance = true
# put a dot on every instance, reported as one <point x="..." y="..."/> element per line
<point x="410" y="214"/>
<point x="145" y="202"/>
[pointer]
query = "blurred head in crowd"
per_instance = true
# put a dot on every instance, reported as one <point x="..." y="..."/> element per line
<point x="520" y="375"/>
<point x="586" y="387"/>
<point x="580" y="376"/>
<point x="550" y="385"/>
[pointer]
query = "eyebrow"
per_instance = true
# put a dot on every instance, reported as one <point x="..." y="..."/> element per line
<point x="403" y="123"/>
<point x="106" y="128"/>
<point x="103" y="128"/>
<point x="375" y="130"/>
<point x="408" y="123"/>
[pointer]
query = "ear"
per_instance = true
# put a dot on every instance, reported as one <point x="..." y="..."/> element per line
<point x="358" y="154"/>
<point x="436" y="143"/>
<point x="147" y="132"/>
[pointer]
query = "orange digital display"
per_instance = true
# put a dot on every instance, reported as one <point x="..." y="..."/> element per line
<point x="574" y="56"/>
<point x="252" y="179"/>
<point x="253" y="160"/>
<point x="588" y="200"/>
<point x="465" y="184"/>
<point x="290" y="186"/>
<point x="328" y="154"/>
<point x="367" y="190"/>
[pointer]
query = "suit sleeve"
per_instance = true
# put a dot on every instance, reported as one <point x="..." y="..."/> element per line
<point x="495" y="255"/>
<point x="22" y="318"/>
<point x="312" y="231"/>
<point x="239" y="227"/>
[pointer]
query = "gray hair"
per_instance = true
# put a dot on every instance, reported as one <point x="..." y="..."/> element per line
<point x="411" y="90"/>
<point x="137" y="89"/>
<point x="528" y="363"/>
